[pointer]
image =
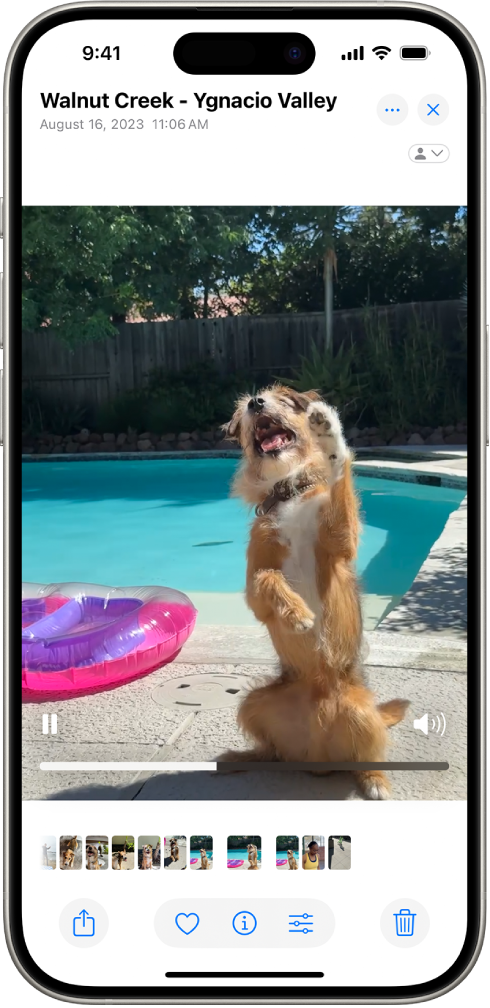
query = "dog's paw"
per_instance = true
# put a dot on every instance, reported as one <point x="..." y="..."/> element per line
<point x="374" y="786"/>
<point x="325" y="425"/>
<point x="323" y="419"/>
<point x="298" y="621"/>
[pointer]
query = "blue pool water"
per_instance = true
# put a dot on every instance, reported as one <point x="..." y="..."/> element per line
<point x="172" y="523"/>
<point x="241" y="855"/>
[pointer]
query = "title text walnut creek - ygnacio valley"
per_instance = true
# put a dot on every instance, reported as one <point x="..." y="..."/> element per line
<point x="122" y="100"/>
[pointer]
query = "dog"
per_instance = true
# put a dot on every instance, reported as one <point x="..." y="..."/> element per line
<point x="293" y="864"/>
<point x="147" y="857"/>
<point x="174" y="850"/>
<point x="72" y="844"/>
<point x="117" y="858"/>
<point x="297" y="471"/>
<point x="67" y="858"/>
<point x="92" y="857"/>
<point x="252" y="857"/>
<point x="205" y="863"/>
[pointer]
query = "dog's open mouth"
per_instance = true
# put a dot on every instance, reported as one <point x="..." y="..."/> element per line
<point x="271" y="436"/>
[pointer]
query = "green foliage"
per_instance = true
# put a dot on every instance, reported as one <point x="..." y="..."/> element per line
<point x="417" y="377"/>
<point x="333" y="374"/>
<point x="196" y="398"/>
<point x="58" y="416"/>
<point x="239" y="842"/>
<point x="85" y="269"/>
<point x="285" y="842"/>
<point x="205" y="842"/>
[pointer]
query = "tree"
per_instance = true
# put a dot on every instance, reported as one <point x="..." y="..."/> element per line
<point x="85" y="269"/>
<point x="386" y="255"/>
<point x="313" y="231"/>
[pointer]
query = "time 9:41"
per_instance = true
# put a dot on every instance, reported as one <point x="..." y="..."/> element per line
<point x="107" y="52"/>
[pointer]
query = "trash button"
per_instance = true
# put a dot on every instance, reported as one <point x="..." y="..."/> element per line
<point x="405" y="923"/>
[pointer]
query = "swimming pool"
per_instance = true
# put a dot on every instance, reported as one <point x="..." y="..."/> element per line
<point x="241" y="854"/>
<point x="173" y="523"/>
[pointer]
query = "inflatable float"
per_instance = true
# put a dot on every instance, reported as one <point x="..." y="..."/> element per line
<point x="81" y="636"/>
<point x="279" y="863"/>
<point x="234" y="864"/>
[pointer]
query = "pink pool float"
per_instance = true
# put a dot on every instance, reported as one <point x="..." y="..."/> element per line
<point x="80" y="636"/>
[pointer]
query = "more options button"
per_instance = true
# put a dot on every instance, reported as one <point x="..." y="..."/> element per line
<point x="244" y="923"/>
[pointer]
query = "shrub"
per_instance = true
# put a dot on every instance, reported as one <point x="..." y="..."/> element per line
<point x="197" y="397"/>
<point x="42" y="413"/>
<point x="419" y="377"/>
<point x="334" y="375"/>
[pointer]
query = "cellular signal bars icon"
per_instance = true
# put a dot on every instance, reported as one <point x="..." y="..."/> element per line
<point x="356" y="54"/>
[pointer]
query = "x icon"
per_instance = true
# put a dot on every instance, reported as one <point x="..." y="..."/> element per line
<point x="433" y="109"/>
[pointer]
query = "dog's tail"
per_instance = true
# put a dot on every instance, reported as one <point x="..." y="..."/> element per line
<point x="393" y="711"/>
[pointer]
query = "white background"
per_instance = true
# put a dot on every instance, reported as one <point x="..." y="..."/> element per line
<point x="399" y="850"/>
<point x="350" y="149"/>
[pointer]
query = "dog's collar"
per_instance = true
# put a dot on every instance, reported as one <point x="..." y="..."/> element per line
<point x="282" y="491"/>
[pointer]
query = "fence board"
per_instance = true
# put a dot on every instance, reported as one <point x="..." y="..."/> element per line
<point x="94" y="373"/>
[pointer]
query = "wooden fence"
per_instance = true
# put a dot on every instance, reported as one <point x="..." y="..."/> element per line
<point x="94" y="373"/>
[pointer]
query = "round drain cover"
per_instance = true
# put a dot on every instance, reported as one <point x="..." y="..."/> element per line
<point x="202" y="692"/>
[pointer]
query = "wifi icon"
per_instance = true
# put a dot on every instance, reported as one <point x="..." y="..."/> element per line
<point x="381" y="51"/>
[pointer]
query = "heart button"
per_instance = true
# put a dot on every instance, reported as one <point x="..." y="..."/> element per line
<point x="187" y="922"/>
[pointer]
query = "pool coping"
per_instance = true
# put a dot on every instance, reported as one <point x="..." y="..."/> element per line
<point x="404" y="466"/>
<point x="443" y="574"/>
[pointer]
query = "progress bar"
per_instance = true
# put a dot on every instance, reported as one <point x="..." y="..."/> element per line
<point x="245" y="767"/>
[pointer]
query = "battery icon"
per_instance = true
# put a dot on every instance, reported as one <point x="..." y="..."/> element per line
<point x="414" y="52"/>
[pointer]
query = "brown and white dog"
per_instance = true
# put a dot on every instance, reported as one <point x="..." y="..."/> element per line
<point x="205" y="864"/>
<point x="92" y="857"/>
<point x="147" y="857"/>
<point x="293" y="864"/>
<point x="301" y="584"/>
<point x="67" y="859"/>
<point x="252" y="857"/>
<point x="174" y="850"/>
<point x="117" y="858"/>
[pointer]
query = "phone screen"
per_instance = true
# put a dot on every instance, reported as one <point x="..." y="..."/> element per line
<point x="245" y="315"/>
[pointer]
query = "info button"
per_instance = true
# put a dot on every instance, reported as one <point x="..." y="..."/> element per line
<point x="428" y="153"/>
<point x="244" y="923"/>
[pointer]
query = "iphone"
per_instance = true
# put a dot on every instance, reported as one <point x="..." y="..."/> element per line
<point x="244" y="424"/>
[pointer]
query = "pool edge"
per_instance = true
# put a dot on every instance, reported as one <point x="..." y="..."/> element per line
<point x="425" y="473"/>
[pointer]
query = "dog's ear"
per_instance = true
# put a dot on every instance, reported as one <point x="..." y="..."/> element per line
<point x="303" y="399"/>
<point x="232" y="429"/>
